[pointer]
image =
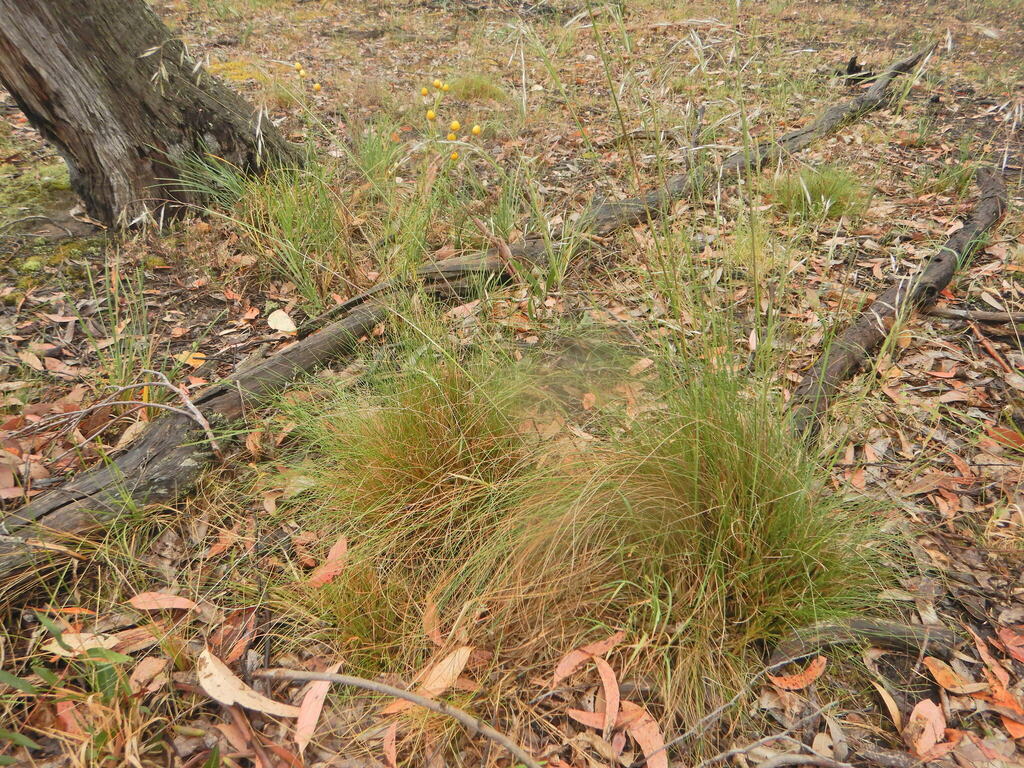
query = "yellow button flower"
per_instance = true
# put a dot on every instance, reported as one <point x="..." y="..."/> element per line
<point x="424" y="91"/>
<point x="476" y="130"/>
<point x="452" y="137"/>
<point x="431" y="114"/>
<point x="298" y="65"/>
<point x="455" y="125"/>
<point x="316" y="87"/>
<point x="455" y="155"/>
<point x="445" y="87"/>
<point x="437" y="83"/>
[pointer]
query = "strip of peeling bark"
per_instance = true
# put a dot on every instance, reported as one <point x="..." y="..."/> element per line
<point x="852" y="350"/>
<point x="169" y="456"/>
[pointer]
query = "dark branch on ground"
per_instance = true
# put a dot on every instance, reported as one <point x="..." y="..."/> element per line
<point x="854" y="347"/>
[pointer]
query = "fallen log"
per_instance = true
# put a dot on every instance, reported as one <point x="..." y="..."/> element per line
<point x="913" y="639"/>
<point x="847" y="354"/>
<point x="168" y="457"/>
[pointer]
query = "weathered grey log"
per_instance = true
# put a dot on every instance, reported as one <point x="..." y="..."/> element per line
<point x="166" y="460"/>
<point x="109" y="85"/>
<point x="847" y="354"/>
<point x="891" y="635"/>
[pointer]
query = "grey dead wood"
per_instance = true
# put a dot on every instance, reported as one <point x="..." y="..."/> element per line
<point x="853" y="348"/>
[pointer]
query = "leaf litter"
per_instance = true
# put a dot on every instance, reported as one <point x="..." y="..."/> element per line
<point x="938" y="442"/>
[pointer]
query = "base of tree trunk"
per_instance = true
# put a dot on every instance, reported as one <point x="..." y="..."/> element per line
<point x="107" y="83"/>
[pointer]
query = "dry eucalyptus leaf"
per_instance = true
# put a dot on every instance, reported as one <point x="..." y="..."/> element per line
<point x="279" y="321"/>
<point x="221" y="684"/>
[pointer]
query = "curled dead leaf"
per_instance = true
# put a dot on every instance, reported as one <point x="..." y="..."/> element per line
<point x="221" y="685"/>
<point x="800" y="680"/>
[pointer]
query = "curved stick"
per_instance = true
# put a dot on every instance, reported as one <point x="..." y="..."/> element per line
<point x="472" y="724"/>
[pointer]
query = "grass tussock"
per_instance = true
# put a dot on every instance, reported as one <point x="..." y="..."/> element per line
<point x="822" y="192"/>
<point x="477" y="86"/>
<point x="699" y="527"/>
<point x="293" y="218"/>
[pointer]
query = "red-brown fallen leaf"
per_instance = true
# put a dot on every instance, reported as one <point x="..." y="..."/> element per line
<point x="68" y="719"/>
<point x="946" y="677"/>
<point x="1010" y="438"/>
<point x="593" y="720"/>
<point x="310" y="708"/>
<point x="1001" y="697"/>
<point x="640" y="366"/>
<point x="238" y="740"/>
<point x="997" y="669"/>
<point x="135" y="639"/>
<point x="147" y="677"/>
<point x="951" y="739"/>
<point x="588" y="401"/>
<point x="431" y="625"/>
<point x="800" y="680"/>
<point x="224" y="540"/>
<point x="390" y="750"/>
<point x="254" y="443"/>
<point x="645" y="731"/>
<point x="161" y="601"/>
<point x="573" y="659"/>
<point x="232" y="638"/>
<point x="925" y="728"/>
<point x="436" y="679"/>
<point x="289" y="757"/>
<point x="301" y="542"/>
<point x="610" y="686"/>
<point x="1013" y="641"/>
<point x="332" y="566"/>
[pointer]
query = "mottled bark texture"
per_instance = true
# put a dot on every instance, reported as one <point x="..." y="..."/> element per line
<point x="109" y="85"/>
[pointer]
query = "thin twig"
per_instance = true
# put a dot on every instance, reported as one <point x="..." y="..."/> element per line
<point x="191" y="408"/>
<point x="975" y="315"/>
<point x="824" y="762"/>
<point x="987" y="345"/>
<point x="472" y="724"/>
<point x="504" y="253"/>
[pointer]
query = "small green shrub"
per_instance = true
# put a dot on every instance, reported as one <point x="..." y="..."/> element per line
<point x="818" y="193"/>
<point x="477" y="86"/>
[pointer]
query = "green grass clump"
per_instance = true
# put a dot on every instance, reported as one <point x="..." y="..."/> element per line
<point x="476" y="86"/>
<point x="953" y="179"/>
<point x="292" y="218"/>
<point x="824" y="192"/>
<point x="701" y="527"/>
<point x="724" y="528"/>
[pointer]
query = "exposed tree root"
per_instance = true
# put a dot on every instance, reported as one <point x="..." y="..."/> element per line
<point x="167" y="459"/>
<point x="854" y="347"/>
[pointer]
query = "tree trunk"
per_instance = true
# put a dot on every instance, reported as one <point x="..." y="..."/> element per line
<point x="109" y="85"/>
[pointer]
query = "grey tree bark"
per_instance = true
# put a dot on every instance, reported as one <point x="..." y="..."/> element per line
<point x="110" y="86"/>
